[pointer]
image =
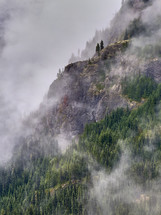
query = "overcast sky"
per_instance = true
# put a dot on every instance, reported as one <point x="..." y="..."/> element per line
<point x="40" y="36"/>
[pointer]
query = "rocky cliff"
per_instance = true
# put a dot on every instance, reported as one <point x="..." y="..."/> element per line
<point x="87" y="90"/>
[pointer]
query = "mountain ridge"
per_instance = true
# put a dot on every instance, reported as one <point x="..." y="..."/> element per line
<point x="93" y="146"/>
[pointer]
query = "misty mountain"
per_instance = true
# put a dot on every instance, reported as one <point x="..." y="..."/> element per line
<point x="94" y="145"/>
<point x="115" y="32"/>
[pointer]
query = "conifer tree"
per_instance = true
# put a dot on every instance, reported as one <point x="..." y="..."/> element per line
<point x="102" y="45"/>
<point x="98" y="48"/>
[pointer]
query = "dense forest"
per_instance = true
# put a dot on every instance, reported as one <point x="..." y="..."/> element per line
<point x="60" y="183"/>
<point x="114" y="166"/>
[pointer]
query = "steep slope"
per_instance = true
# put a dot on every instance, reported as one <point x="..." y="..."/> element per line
<point x="88" y="92"/>
<point x="124" y="180"/>
<point x="130" y="11"/>
<point x="110" y="107"/>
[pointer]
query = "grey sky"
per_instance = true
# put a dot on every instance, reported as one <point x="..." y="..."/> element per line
<point x="40" y="36"/>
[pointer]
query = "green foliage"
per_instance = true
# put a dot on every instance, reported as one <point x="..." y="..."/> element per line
<point x="46" y="186"/>
<point x="101" y="45"/>
<point x="101" y="139"/>
<point x="99" y="86"/>
<point x="144" y="171"/>
<point x="139" y="87"/>
<point x="135" y="28"/>
<point x="97" y="48"/>
<point x="56" y="183"/>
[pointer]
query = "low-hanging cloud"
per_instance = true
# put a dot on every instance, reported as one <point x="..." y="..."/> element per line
<point x="36" y="38"/>
<point x="120" y="192"/>
<point x="149" y="16"/>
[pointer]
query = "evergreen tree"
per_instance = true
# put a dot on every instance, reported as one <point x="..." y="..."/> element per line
<point x="98" y="48"/>
<point x="102" y="45"/>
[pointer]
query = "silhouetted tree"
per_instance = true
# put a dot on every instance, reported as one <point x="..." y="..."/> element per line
<point x="98" y="48"/>
<point x="102" y="45"/>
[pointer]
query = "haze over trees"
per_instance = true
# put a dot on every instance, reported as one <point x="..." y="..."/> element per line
<point x="94" y="145"/>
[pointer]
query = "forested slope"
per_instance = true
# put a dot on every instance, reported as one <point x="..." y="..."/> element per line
<point x="107" y="109"/>
<point x="61" y="183"/>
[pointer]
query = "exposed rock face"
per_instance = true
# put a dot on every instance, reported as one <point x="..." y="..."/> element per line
<point x="84" y="93"/>
<point x="87" y="90"/>
<point x="153" y="70"/>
